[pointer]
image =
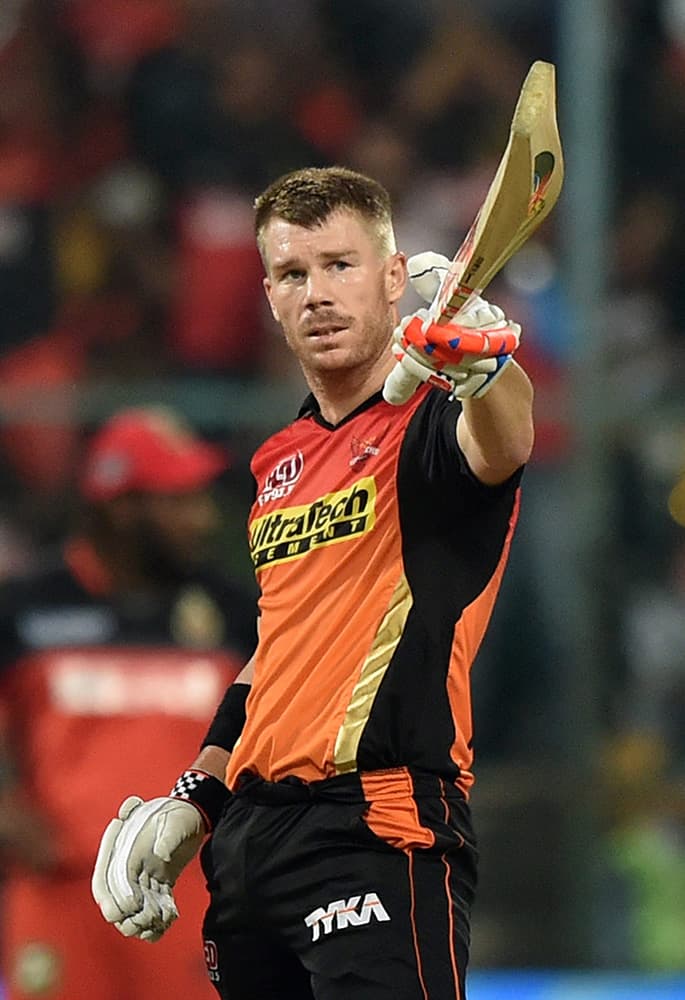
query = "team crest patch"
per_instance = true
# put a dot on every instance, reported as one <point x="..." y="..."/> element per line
<point x="282" y="479"/>
<point x="362" y="450"/>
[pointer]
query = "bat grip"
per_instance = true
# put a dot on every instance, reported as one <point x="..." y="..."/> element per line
<point x="400" y="385"/>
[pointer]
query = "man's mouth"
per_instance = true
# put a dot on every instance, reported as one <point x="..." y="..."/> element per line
<point x="321" y="332"/>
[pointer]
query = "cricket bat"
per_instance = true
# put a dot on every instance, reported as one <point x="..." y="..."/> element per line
<point x="523" y="192"/>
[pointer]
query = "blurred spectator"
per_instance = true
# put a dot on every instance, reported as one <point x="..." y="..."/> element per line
<point x="126" y="635"/>
<point x="30" y="166"/>
<point x="643" y="802"/>
<point x="216" y="316"/>
<point x="652" y="700"/>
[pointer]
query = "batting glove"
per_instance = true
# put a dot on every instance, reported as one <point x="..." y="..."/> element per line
<point x="146" y="847"/>
<point x="465" y="358"/>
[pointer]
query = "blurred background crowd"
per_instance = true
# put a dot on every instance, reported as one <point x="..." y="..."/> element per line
<point x="134" y="136"/>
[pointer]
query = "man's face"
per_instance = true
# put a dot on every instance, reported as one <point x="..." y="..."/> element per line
<point x="333" y="291"/>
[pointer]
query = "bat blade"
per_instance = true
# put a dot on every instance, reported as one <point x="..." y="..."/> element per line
<point x="523" y="192"/>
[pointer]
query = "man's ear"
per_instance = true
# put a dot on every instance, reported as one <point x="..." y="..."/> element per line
<point x="396" y="277"/>
<point x="267" y="291"/>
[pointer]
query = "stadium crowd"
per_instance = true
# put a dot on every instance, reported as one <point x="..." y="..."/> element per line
<point x="134" y="135"/>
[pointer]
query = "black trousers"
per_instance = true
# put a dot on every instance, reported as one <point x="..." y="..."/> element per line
<point x="307" y="902"/>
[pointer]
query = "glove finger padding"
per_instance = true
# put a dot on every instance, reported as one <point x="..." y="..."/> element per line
<point x="426" y="272"/>
<point x="109" y="906"/>
<point x="148" y="848"/>
<point x="477" y="313"/>
<point x="479" y="379"/>
<point x="167" y="903"/>
<point x="174" y="843"/>
<point x="453" y="344"/>
<point x="156" y="916"/>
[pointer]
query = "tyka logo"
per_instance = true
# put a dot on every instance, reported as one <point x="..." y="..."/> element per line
<point x="344" y="913"/>
<point x="281" y="480"/>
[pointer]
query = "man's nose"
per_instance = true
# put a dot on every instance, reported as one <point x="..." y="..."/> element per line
<point x="318" y="288"/>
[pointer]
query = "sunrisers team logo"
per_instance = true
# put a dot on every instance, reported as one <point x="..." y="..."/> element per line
<point x="292" y="532"/>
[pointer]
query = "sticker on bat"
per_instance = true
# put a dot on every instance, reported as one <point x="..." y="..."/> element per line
<point x="543" y="168"/>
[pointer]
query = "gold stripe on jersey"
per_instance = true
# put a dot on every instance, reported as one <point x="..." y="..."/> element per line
<point x="372" y="673"/>
<point x="291" y="532"/>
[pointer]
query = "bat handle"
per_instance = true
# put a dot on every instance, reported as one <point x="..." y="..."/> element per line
<point x="400" y="385"/>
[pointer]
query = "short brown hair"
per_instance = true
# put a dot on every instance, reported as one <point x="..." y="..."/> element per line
<point x="307" y="197"/>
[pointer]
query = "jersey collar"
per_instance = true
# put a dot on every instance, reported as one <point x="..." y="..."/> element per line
<point x="310" y="408"/>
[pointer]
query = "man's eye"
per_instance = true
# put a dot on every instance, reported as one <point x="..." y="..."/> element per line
<point x="293" y="275"/>
<point x="341" y="265"/>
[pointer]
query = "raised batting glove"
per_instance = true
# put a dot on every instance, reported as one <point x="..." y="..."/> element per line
<point x="451" y="357"/>
<point x="465" y="358"/>
<point x="146" y="847"/>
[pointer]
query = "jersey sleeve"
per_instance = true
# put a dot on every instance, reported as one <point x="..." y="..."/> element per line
<point x="432" y="450"/>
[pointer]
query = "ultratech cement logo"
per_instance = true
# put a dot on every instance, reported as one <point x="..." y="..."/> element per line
<point x="281" y="480"/>
<point x="294" y="531"/>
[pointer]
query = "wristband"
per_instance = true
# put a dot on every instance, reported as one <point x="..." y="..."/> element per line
<point x="203" y="790"/>
<point x="229" y="720"/>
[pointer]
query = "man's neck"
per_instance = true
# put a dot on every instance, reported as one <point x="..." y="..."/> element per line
<point x="340" y="393"/>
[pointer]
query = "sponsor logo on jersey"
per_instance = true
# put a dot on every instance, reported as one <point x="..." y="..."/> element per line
<point x="344" y="913"/>
<point x="292" y="532"/>
<point x="282" y="479"/>
<point x="212" y="960"/>
<point x="362" y="450"/>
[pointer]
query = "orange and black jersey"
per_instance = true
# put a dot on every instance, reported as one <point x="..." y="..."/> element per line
<point x="379" y="556"/>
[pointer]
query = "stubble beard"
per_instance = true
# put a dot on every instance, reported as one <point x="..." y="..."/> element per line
<point x="361" y="356"/>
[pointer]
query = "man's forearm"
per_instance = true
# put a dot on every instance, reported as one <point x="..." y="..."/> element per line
<point x="496" y="432"/>
<point x="213" y="760"/>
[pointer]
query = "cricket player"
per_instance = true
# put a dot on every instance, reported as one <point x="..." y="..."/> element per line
<point x="335" y="777"/>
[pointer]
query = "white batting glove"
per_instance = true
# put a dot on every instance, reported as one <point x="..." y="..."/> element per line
<point x="463" y="358"/>
<point x="425" y="354"/>
<point x="142" y="853"/>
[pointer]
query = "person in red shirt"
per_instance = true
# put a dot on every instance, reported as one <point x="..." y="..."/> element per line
<point x="123" y="636"/>
<point x="335" y="776"/>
